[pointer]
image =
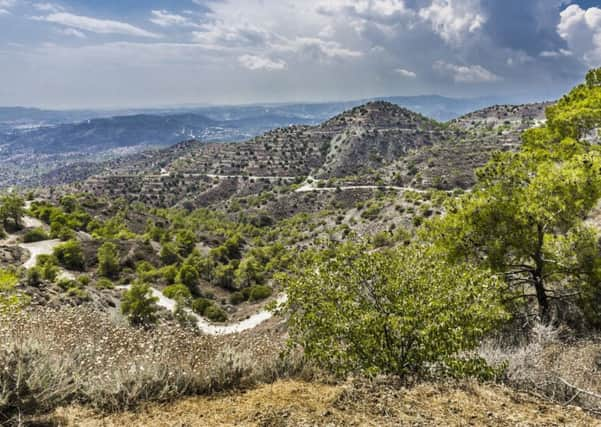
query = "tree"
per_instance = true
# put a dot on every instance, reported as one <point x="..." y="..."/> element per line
<point x="70" y="255"/>
<point x="528" y="208"/>
<point x="139" y="305"/>
<point x="108" y="260"/>
<point x="11" y="208"/>
<point x="392" y="311"/>
<point x="189" y="276"/>
<point x="169" y="253"/>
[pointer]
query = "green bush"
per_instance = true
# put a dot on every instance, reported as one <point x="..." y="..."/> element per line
<point x="199" y="305"/>
<point x="104" y="283"/>
<point x="139" y="305"/>
<point x="109" y="263"/>
<point x="237" y="298"/>
<point x="70" y="256"/>
<point x="35" y="235"/>
<point x="395" y="312"/>
<point x="215" y="314"/>
<point x="177" y="292"/>
<point x="259" y="292"/>
<point x="34" y="276"/>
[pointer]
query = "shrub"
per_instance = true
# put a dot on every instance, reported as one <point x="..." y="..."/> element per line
<point x="104" y="283"/>
<point x="215" y="314"/>
<point x="395" y="311"/>
<point x="237" y="298"/>
<point x="139" y="305"/>
<point x="169" y="253"/>
<point x="35" y="235"/>
<point x="259" y="292"/>
<point x="177" y="292"/>
<point x="34" y="276"/>
<point x="199" y="305"/>
<point x="108" y="260"/>
<point x="70" y="256"/>
<point x="189" y="277"/>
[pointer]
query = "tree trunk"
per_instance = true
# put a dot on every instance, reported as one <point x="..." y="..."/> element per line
<point x="539" y="283"/>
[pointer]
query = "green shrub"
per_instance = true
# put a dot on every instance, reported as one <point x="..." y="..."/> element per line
<point x="177" y="292"/>
<point x="259" y="292"/>
<point x="215" y="314"/>
<point x="34" y="276"/>
<point x="104" y="283"/>
<point x="199" y="305"/>
<point x="139" y="305"/>
<point x="70" y="256"/>
<point x="108" y="260"/>
<point x="237" y="298"/>
<point x="35" y="235"/>
<point x="396" y="311"/>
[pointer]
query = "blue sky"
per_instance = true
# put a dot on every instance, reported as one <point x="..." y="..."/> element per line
<point x="132" y="53"/>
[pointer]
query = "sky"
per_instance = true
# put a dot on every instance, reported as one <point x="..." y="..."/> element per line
<point x="150" y="53"/>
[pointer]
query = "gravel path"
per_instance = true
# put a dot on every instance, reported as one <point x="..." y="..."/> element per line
<point x="210" y="328"/>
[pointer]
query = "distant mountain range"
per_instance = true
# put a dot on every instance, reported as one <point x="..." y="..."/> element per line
<point x="52" y="132"/>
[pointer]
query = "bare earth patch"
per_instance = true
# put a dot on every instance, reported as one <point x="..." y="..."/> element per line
<point x="294" y="403"/>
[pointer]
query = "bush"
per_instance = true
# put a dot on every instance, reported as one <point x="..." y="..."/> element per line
<point x="199" y="305"/>
<point x="34" y="276"/>
<point x="215" y="314"/>
<point x="104" y="283"/>
<point x="393" y="312"/>
<point x="177" y="292"/>
<point x="35" y="235"/>
<point x="189" y="277"/>
<point x="139" y="305"/>
<point x="237" y="298"/>
<point x="259" y="292"/>
<point x="108" y="260"/>
<point x="70" y="256"/>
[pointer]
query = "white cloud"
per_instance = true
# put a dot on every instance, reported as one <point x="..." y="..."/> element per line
<point x="6" y="5"/>
<point x="316" y="47"/>
<point x="221" y="34"/>
<point x="73" y="33"/>
<point x="406" y="73"/>
<point x="382" y="11"/>
<point x="453" y="20"/>
<point x="253" y="62"/>
<point x="555" y="53"/>
<point x="48" y="7"/>
<point x="466" y="73"/>
<point x="164" y="18"/>
<point x="100" y="26"/>
<point x="581" y="29"/>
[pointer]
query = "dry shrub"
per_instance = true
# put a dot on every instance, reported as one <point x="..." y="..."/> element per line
<point x="547" y="364"/>
<point x="79" y="355"/>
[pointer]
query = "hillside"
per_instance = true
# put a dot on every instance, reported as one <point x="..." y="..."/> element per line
<point x="375" y="144"/>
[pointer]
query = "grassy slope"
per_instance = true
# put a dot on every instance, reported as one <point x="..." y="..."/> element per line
<point x="297" y="403"/>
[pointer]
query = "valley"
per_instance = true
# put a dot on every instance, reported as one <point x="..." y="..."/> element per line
<point x="374" y="257"/>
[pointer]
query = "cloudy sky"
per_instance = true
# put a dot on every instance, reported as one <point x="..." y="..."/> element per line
<point x="132" y="53"/>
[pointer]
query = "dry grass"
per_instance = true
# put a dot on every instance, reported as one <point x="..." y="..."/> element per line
<point x="79" y="355"/>
<point x="545" y="364"/>
<point x="294" y="403"/>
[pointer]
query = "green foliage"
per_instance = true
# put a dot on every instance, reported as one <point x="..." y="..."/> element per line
<point x="10" y="298"/>
<point x="526" y="204"/>
<point x="48" y="265"/>
<point x="177" y="292"/>
<point x="185" y="240"/>
<point x="199" y="305"/>
<point x="215" y="314"/>
<point x="139" y="305"/>
<point x="259" y="292"/>
<point x="109" y="263"/>
<point x="169" y="253"/>
<point x="70" y="256"/>
<point x="395" y="311"/>
<point x="35" y="235"/>
<point x="104" y="283"/>
<point x="34" y="276"/>
<point x="11" y="211"/>
<point x="189" y="277"/>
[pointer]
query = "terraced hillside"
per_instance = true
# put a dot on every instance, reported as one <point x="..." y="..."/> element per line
<point x="377" y="144"/>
